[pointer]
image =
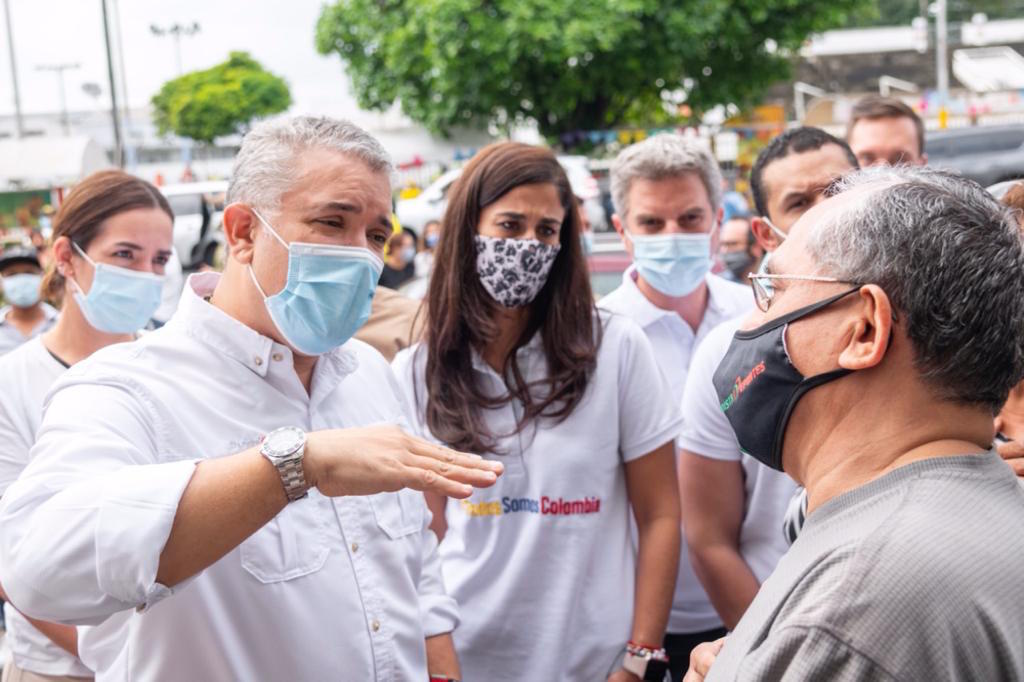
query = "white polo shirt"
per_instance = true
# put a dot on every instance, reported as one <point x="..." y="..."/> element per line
<point x="675" y="344"/>
<point x="26" y="375"/>
<point x="767" y="492"/>
<point x="672" y="339"/>
<point x="11" y="337"/>
<point x="344" y="588"/>
<point x="542" y="564"/>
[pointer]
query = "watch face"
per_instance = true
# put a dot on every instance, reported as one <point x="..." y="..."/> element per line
<point x="283" y="442"/>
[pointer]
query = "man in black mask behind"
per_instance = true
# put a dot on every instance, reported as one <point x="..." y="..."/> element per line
<point x="888" y="336"/>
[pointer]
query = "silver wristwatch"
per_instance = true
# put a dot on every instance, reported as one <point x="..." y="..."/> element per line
<point x="284" y="448"/>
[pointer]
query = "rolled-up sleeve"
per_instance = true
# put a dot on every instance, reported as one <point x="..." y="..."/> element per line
<point x="82" y="530"/>
<point x="438" y="610"/>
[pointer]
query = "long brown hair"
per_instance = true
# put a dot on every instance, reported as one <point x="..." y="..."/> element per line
<point x="461" y="314"/>
<point x="100" y="196"/>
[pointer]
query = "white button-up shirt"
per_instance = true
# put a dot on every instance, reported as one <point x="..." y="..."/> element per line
<point x="673" y="340"/>
<point x="330" y="589"/>
<point x="11" y="337"/>
<point x="675" y="344"/>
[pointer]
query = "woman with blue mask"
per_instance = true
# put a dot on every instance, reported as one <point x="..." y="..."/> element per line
<point x="111" y="240"/>
<point x="400" y="263"/>
<point x="519" y="366"/>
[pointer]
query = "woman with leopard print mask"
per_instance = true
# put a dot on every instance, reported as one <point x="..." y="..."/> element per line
<point x="519" y="366"/>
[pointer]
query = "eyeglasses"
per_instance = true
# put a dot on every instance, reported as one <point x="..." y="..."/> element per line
<point x="764" y="292"/>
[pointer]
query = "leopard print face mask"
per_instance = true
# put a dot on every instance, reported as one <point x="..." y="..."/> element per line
<point x="513" y="271"/>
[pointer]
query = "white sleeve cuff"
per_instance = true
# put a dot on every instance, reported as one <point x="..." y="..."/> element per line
<point x="699" y="446"/>
<point x="137" y="509"/>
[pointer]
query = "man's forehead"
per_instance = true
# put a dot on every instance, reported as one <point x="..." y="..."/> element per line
<point x="324" y="177"/>
<point x="675" y="190"/>
<point x="806" y="171"/>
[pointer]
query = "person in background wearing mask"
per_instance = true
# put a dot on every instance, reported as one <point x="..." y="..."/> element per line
<point x="519" y="366"/>
<point x="210" y="454"/>
<point x="400" y="264"/>
<point x="111" y="242"/>
<point x="885" y="131"/>
<point x="425" y="258"/>
<point x="738" y="250"/>
<point x="734" y="506"/>
<point x="667" y="192"/>
<point x="883" y="344"/>
<point x="26" y="315"/>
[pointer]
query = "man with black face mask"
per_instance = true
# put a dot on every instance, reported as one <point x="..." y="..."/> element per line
<point x="884" y="343"/>
<point x="738" y="250"/>
<point x="733" y="506"/>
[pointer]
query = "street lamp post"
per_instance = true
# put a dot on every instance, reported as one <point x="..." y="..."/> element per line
<point x="176" y="31"/>
<point x="115" y="118"/>
<point x="59" y="69"/>
<point x="941" y="62"/>
<point x="18" y="122"/>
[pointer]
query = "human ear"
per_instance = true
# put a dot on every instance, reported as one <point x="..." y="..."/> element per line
<point x="240" y="231"/>
<point x="765" y="236"/>
<point x="870" y="330"/>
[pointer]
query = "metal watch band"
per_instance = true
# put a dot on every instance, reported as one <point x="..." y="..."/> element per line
<point x="293" y="479"/>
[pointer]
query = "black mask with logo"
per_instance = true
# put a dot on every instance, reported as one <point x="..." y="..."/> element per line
<point x="758" y="386"/>
<point x="737" y="264"/>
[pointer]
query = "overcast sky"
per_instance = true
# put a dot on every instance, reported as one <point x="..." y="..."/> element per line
<point x="278" y="33"/>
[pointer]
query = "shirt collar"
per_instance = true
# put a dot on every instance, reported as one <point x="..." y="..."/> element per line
<point x="212" y="326"/>
<point x="640" y="309"/>
<point x="530" y="349"/>
<point x="49" y="313"/>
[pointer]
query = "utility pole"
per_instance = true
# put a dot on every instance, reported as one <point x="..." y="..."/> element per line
<point x="59" y="69"/>
<point x="176" y="31"/>
<point x="941" y="62"/>
<point x="19" y="123"/>
<point x="114" y="114"/>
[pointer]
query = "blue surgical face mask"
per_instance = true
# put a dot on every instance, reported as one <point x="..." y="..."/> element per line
<point x="408" y="254"/>
<point x="674" y="264"/>
<point x="327" y="295"/>
<point x="431" y="240"/>
<point x="120" y="301"/>
<point x="22" y="290"/>
<point x="587" y="239"/>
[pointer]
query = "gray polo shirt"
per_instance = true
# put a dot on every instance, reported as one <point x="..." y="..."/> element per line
<point x="11" y="338"/>
<point x="918" y="575"/>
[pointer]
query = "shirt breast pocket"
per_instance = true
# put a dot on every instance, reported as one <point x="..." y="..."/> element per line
<point x="398" y="514"/>
<point x="291" y="545"/>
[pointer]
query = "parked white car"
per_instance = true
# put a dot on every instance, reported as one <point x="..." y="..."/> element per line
<point x="198" y="208"/>
<point x="430" y="204"/>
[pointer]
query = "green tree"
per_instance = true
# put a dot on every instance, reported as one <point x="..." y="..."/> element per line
<point x="221" y="100"/>
<point x="567" y="64"/>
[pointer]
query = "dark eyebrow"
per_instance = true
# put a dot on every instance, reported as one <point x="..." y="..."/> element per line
<point x="129" y="245"/>
<point x="513" y="214"/>
<point x="385" y="220"/>
<point x="164" y="252"/>
<point x="338" y="206"/>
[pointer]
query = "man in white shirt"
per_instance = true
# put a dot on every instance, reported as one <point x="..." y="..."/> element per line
<point x="217" y="488"/>
<point x="26" y="315"/>
<point x="733" y="506"/>
<point x="667" y="193"/>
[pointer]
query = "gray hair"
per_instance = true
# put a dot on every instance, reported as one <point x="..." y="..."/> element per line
<point x="664" y="156"/>
<point x="951" y="260"/>
<point x="264" y="167"/>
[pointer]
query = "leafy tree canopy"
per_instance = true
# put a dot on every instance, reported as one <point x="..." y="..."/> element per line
<point x="222" y="100"/>
<point x="567" y="64"/>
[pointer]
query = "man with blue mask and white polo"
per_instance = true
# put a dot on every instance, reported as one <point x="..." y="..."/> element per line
<point x="26" y="315"/>
<point x="233" y="490"/>
<point x="667" y="192"/>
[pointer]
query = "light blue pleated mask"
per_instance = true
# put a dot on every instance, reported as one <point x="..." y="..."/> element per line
<point x="674" y="264"/>
<point x="120" y="301"/>
<point x="327" y="295"/>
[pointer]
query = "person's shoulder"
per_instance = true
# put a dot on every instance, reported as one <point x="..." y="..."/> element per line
<point x="409" y="361"/>
<point x="618" y="329"/>
<point x="366" y="356"/>
<point x="20" y="363"/>
<point x="616" y="301"/>
<point x="718" y="340"/>
<point x="730" y="297"/>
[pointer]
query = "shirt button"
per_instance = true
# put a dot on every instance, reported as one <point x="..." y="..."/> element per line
<point x="355" y="546"/>
<point x="257" y="361"/>
<point x="375" y="625"/>
<point x="277" y="357"/>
